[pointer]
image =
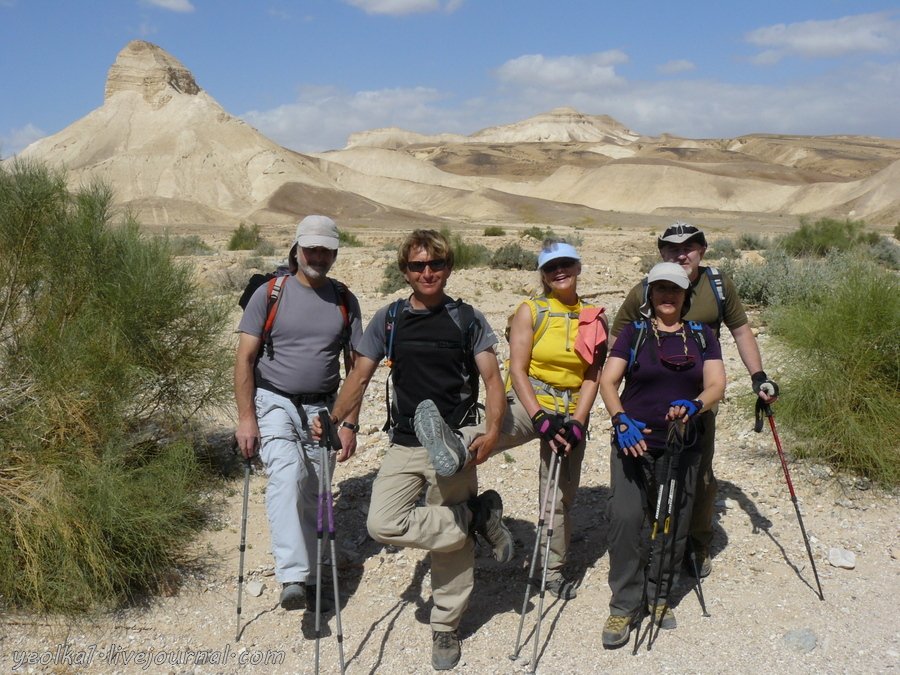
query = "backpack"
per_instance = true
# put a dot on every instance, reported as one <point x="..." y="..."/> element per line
<point x="639" y="339"/>
<point x="714" y="276"/>
<point x="467" y="328"/>
<point x="276" y="281"/>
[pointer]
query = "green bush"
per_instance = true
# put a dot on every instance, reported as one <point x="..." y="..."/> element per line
<point x="841" y="391"/>
<point x="465" y="254"/>
<point x="513" y="257"/>
<point x="897" y="231"/>
<point x="253" y="263"/>
<point x="575" y="240"/>
<point x="537" y="233"/>
<point x="722" y="249"/>
<point x="264" y="248"/>
<point x="189" y="245"/>
<point x="884" y="251"/>
<point x="752" y="242"/>
<point x="393" y="279"/>
<point x="494" y="231"/>
<point x="102" y="369"/>
<point x="349" y="239"/>
<point x="244" y="238"/>
<point x="825" y="235"/>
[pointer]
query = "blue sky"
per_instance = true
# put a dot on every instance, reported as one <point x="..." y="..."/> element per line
<point x="307" y="73"/>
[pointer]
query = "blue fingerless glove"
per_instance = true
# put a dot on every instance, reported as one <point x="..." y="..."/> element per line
<point x="691" y="406"/>
<point x="631" y="435"/>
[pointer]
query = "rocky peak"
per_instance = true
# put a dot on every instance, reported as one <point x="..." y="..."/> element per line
<point x="151" y="71"/>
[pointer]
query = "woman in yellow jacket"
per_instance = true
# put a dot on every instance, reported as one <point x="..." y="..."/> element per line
<point x="554" y="368"/>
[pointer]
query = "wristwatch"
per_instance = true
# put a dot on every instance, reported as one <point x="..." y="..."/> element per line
<point x="699" y="404"/>
<point x="352" y="427"/>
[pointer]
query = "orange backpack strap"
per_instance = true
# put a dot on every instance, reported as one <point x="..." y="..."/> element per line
<point x="274" y="295"/>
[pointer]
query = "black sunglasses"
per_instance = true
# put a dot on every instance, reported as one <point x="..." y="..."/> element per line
<point x="558" y="264"/>
<point x="436" y="265"/>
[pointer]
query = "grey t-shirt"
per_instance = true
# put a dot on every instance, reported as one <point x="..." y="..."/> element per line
<point x="306" y="336"/>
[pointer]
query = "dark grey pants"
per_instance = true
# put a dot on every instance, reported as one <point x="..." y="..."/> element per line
<point x="634" y="487"/>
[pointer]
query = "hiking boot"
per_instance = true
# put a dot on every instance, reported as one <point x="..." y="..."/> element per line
<point x="327" y="599"/>
<point x="700" y="553"/>
<point x="664" y="617"/>
<point x="616" y="631"/>
<point x="292" y="596"/>
<point x="487" y="520"/>
<point x="445" y="650"/>
<point x="446" y="449"/>
<point x="560" y="588"/>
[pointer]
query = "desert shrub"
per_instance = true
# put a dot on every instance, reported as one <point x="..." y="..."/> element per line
<point x="575" y="239"/>
<point x="722" y="249"/>
<point x="824" y="235"/>
<point x="264" y="248"/>
<point x="841" y="392"/>
<point x="466" y="254"/>
<point x="393" y="279"/>
<point x="884" y="251"/>
<point x="244" y="238"/>
<point x="253" y="263"/>
<point x="349" y="239"/>
<point x="537" y="233"/>
<point x="513" y="257"/>
<point x="897" y="231"/>
<point x="189" y="245"/>
<point x="749" y="241"/>
<point x="494" y="231"/>
<point x="101" y="369"/>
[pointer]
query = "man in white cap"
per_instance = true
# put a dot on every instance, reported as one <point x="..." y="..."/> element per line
<point x="285" y="373"/>
<point x="714" y="302"/>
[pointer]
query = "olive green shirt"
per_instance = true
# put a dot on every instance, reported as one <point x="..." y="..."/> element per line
<point x="704" y="307"/>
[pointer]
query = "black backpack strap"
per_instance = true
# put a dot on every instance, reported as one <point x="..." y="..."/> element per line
<point x="343" y="295"/>
<point x="638" y="340"/>
<point x="470" y="405"/>
<point x="718" y="287"/>
<point x="695" y="328"/>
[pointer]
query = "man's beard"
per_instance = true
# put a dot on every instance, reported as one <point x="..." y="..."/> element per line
<point x="314" y="273"/>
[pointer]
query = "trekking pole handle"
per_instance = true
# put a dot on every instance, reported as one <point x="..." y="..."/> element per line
<point x="330" y="436"/>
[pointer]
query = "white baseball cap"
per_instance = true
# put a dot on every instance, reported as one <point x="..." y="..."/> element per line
<point x="667" y="271"/>
<point x="317" y="231"/>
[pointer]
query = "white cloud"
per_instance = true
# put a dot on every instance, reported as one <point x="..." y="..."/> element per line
<point x="866" y="33"/>
<point x="323" y="117"/>
<point x="676" y="67"/>
<point x="564" y="73"/>
<point x="404" y="7"/>
<point x="16" y="140"/>
<point x="174" y="5"/>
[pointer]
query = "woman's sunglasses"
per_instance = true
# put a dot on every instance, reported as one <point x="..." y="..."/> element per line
<point x="436" y="265"/>
<point x="558" y="264"/>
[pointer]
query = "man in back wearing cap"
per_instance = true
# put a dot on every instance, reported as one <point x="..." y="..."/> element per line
<point x="714" y="302"/>
<point x="280" y="387"/>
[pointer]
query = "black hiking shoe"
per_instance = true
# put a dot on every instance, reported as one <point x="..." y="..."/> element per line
<point x="487" y="520"/>
<point x="292" y="596"/>
<point x="446" y="449"/>
<point x="327" y="599"/>
<point x="616" y="631"/>
<point x="445" y="649"/>
<point x="700" y="553"/>
<point x="560" y="588"/>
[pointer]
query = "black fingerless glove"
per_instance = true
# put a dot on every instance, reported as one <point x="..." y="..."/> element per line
<point x="575" y="433"/>
<point x="547" y="426"/>
<point x="761" y="383"/>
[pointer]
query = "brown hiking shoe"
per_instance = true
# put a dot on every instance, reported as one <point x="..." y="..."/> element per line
<point x="445" y="649"/>
<point x="487" y="520"/>
<point x="616" y="631"/>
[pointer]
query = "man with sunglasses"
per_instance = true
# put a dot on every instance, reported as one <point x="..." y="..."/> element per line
<point x="714" y="302"/>
<point x="278" y="391"/>
<point x="432" y="378"/>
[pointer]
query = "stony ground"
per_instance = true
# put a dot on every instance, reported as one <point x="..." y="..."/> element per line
<point x="765" y="613"/>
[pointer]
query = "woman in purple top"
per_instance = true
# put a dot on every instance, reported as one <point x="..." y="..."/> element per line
<point x="676" y="373"/>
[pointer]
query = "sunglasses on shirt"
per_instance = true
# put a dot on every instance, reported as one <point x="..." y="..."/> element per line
<point x="436" y="265"/>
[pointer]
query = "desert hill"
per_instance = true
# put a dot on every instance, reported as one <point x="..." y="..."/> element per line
<point x="177" y="157"/>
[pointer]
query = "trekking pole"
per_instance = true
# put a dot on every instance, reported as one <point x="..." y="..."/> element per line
<point x="699" y="586"/>
<point x="330" y="442"/>
<point x="243" y="546"/>
<point x="551" y="507"/>
<point x="764" y="408"/>
<point x="554" y="460"/>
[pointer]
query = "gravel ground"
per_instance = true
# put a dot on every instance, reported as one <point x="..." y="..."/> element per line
<point x="765" y="614"/>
